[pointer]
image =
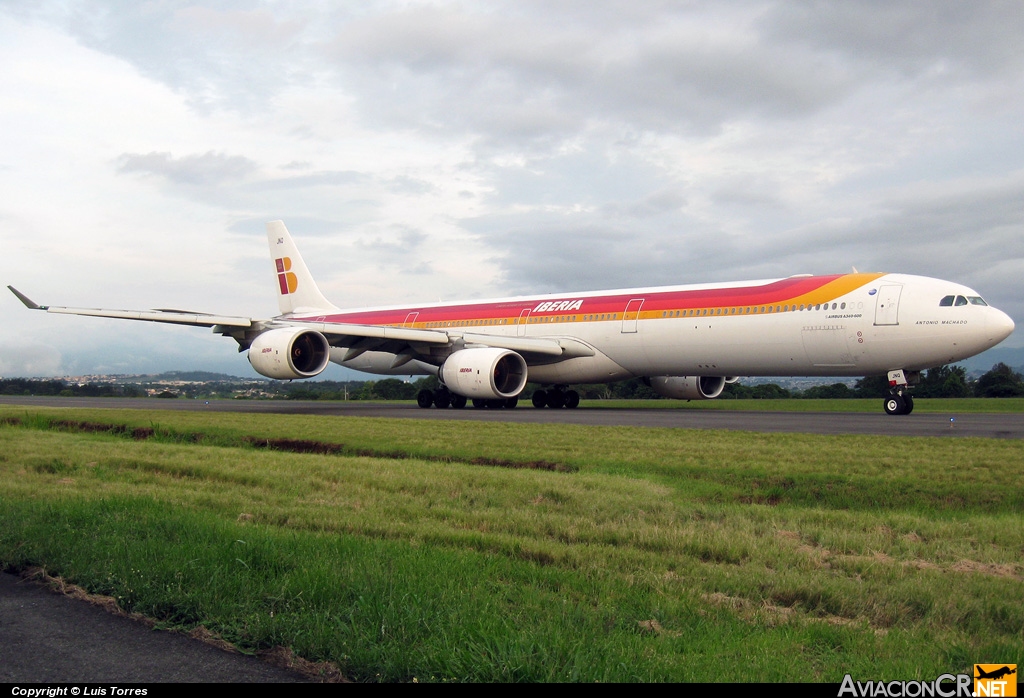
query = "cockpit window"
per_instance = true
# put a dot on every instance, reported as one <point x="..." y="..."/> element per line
<point x="960" y="300"/>
<point x="976" y="300"/>
<point x="946" y="301"/>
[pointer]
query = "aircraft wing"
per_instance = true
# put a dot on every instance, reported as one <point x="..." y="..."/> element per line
<point x="358" y="338"/>
<point x="397" y="339"/>
<point x="177" y="317"/>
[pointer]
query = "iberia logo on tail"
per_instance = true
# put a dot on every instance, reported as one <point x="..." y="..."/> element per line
<point x="288" y="281"/>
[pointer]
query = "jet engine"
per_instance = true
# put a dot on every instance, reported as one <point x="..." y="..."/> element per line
<point x="689" y="387"/>
<point x="487" y="372"/>
<point x="289" y="353"/>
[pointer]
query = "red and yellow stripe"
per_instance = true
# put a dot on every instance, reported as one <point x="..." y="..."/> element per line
<point x="785" y="295"/>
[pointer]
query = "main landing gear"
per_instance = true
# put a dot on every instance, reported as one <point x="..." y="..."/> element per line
<point x="556" y="398"/>
<point x="443" y="398"/>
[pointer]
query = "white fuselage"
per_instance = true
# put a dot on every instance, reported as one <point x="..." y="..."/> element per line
<point x="884" y="322"/>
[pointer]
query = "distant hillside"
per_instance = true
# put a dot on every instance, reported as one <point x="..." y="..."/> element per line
<point x="196" y="377"/>
<point x="1013" y="357"/>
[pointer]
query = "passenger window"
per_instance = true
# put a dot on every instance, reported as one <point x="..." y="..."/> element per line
<point x="960" y="300"/>
<point x="946" y="302"/>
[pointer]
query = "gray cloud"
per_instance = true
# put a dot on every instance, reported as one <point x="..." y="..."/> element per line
<point x="946" y="39"/>
<point x="29" y="359"/>
<point x="395" y="248"/>
<point x="568" y="146"/>
<point x="537" y="75"/>
<point x="193" y="170"/>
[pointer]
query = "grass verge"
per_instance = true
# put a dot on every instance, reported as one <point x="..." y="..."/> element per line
<point x="653" y="555"/>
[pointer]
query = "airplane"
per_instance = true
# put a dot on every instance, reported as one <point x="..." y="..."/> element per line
<point x="686" y="342"/>
<point x="995" y="673"/>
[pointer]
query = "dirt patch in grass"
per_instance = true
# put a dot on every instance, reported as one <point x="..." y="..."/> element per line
<point x="1008" y="570"/>
<point x="291" y="445"/>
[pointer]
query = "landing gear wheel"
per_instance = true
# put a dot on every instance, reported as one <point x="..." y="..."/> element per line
<point x="556" y="399"/>
<point x="572" y="399"/>
<point x="540" y="398"/>
<point x="895" y="404"/>
<point x="479" y="403"/>
<point x="510" y="403"/>
<point x="458" y="401"/>
<point x="909" y="400"/>
<point x="442" y="398"/>
<point x="425" y="398"/>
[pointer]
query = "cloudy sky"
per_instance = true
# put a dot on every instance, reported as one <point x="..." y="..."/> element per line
<point x="443" y="150"/>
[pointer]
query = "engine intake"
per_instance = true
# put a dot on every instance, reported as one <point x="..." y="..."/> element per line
<point x="487" y="372"/>
<point x="689" y="387"/>
<point x="289" y="353"/>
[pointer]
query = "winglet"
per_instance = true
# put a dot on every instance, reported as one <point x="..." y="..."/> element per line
<point x="29" y="303"/>
<point x="296" y="290"/>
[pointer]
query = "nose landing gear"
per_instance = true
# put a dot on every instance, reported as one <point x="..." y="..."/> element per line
<point x="900" y="401"/>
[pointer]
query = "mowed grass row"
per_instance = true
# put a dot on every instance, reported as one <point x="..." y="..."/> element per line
<point x="665" y="555"/>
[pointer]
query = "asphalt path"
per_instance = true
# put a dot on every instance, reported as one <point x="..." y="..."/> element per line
<point x="47" y="637"/>
<point x="951" y="424"/>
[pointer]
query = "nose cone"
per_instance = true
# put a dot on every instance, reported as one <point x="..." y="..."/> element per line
<point x="1000" y="326"/>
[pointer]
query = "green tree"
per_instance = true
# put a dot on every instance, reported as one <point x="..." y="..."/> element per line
<point x="769" y="391"/>
<point x="872" y="386"/>
<point x="944" y="381"/>
<point x="836" y="391"/>
<point x="1001" y="381"/>
<point x="394" y="389"/>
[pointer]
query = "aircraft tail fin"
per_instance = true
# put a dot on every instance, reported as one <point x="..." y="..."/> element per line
<point x="296" y="290"/>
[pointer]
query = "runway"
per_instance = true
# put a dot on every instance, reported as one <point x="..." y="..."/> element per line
<point x="998" y="426"/>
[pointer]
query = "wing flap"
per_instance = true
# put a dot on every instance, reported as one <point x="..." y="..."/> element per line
<point x="401" y="334"/>
<point x="562" y="347"/>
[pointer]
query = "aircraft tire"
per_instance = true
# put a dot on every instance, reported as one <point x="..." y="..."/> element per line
<point x="510" y="403"/>
<point x="442" y="399"/>
<point x="540" y="398"/>
<point x="556" y="399"/>
<point x="479" y="403"/>
<point x="425" y="398"/>
<point x="458" y="401"/>
<point x="894" y="404"/>
<point x="909" y="400"/>
<point x="572" y="400"/>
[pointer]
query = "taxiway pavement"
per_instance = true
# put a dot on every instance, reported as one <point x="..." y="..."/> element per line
<point x="948" y="424"/>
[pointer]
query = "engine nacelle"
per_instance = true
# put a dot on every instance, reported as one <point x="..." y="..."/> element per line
<point x="289" y="353"/>
<point x="487" y="372"/>
<point x="689" y="387"/>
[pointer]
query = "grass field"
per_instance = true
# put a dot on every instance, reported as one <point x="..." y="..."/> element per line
<point x="463" y="551"/>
